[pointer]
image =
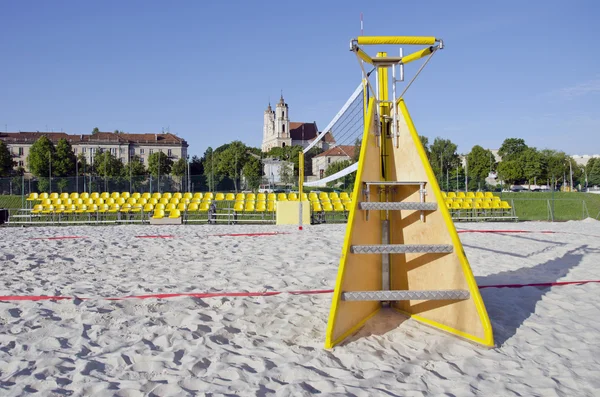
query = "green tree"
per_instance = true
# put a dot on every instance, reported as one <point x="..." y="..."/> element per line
<point x="83" y="164"/>
<point x="107" y="165"/>
<point x="211" y="169"/>
<point x="594" y="172"/>
<point x="196" y="166"/>
<point x="511" y="148"/>
<point x="480" y="162"/>
<point x="64" y="163"/>
<point x="134" y="167"/>
<point x="40" y="154"/>
<point x="425" y="143"/>
<point x="286" y="174"/>
<point x="443" y="157"/>
<point x="6" y="161"/>
<point x="62" y="184"/>
<point x="346" y="181"/>
<point x="532" y="163"/>
<point x="232" y="160"/>
<point x="159" y="164"/>
<point x="510" y="171"/>
<point x="179" y="169"/>
<point x="288" y="153"/>
<point x="253" y="172"/>
<point x="95" y="131"/>
<point x="554" y="163"/>
<point x="357" y="148"/>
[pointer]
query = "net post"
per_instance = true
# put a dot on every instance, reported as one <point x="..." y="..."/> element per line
<point x="300" y="186"/>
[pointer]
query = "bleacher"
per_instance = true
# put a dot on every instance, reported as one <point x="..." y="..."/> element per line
<point x="105" y="207"/>
<point x="472" y="206"/>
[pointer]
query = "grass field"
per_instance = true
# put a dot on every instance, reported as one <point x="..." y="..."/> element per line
<point x="565" y="206"/>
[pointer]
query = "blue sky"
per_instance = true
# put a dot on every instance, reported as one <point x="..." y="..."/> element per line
<point x="206" y="69"/>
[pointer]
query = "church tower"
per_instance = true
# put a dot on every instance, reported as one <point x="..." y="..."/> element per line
<point x="268" y="128"/>
<point x="276" y="126"/>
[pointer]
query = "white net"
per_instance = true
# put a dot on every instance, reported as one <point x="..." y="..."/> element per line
<point x="336" y="149"/>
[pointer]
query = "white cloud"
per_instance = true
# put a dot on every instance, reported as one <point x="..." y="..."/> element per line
<point x="588" y="87"/>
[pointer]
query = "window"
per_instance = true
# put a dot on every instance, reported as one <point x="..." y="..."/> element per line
<point x="20" y="151"/>
<point x="169" y="153"/>
<point x="75" y="151"/>
<point x="142" y="160"/>
<point x="83" y="150"/>
<point x="132" y="152"/>
<point x="283" y="126"/>
<point x="328" y="160"/>
<point x="151" y="151"/>
<point x="21" y="163"/>
<point x="142" y="151"/>
<point x="113" y="151"/>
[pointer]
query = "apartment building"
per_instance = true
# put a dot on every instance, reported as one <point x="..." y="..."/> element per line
<point x="121" y="145"/>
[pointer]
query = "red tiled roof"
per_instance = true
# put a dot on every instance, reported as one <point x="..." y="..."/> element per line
<point x="338" y="151"/>
<point x="100" y="137"/>
<point x="303" y="131"/>
<point x="328" y="138"/>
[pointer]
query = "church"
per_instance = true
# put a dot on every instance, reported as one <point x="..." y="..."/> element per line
<point x="279" y="131"/>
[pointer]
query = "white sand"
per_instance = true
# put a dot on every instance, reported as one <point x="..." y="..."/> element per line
<point x="548" y="338"/>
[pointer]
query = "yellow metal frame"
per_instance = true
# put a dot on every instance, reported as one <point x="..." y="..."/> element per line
<point x="488" y="340"/>
<point x="337" y="293"/>
<point x="407" y="40"/>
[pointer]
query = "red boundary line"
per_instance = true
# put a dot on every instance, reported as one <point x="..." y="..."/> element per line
<point x="169" y="236"/>
<point x="506" y="231"/>
<point x="255" y="294"/>
<point x="56" y="238"/>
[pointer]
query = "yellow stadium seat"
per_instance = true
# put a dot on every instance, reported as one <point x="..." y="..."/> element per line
<point x="505" y="205"/>
<point x="496" y="205"/>
<point x="174" y="214"/>
<point x="449" y="205"/>
<point x="348" y="205"/>
<point x="338" y="206"/>
<point x="240" y="197"/>
<point x="488" y="195"/>
<point x="460" y="195"/>
<point x="271" y="197"/>
<point x="193" y="207"/>
<point x="164" y="200"/>
<point x="115" y="195"/>
<point x="188" y="195"/>
<point x="156" y="195"/>
<point x="59" y="209"/>
<point x="466" y="205"/>
<point x="86" y="195"/>
<point x="125" y="195"/>
<point x="470" y="195"/>
<point x="344" y="196"/>
<point x="137" y="207"/>
<point x="478" y="205"/>
<point x="167" y="195"/>
<point x="249" y="207"/>
<point x="114" y="208"/>
<point x="105" y="195"/>
<point x="158" y="214"/>
<point x="238" y="206"/>
<point x="131" y="200"/>
<point x="219" y="197"/>
<point x="74" y="195"/>
<point x="170" y="207"/>
<point x="46" y="202"/>
<point x="208" y="196"/>
<point x="174" y="200"/>
<point x="261" y="197"/>
<point x="281" y="197"/>
<point x="153" y="201"/>
<point x="203" y="207"/>
<point x="159" y="206"/>
<point x="125" y="208"/>
<point x="292" y="197"/>
<point x="496" y="198"/>
<point x="333" y="196"/>
<point x="197" y="196"/>
<point x="304" y="197"/>
<point x="148" y="208"/>
<point x="120" y="200"/>
<point x="486" y="205"/>
<point x="54" y="196"/>
<point x="146" y="196"/>
<point x="230" y="196"/>
<point x="250" y="197"/>
<point x="56" y="201"/>
<point x="451" y="195"/>
<point x="182" y="206"/>
<point x="479" y="195"/>
<point x="316" y="206"/>
<point x="271" y="205"/>
<point x="327" y="206"/>
<point x="43" y="196"/>
<point x="456" y="206"/>
<point x="261" y="206"/>
<point x="91" y="209"/>
<point x="69" y="209"/>
<point x="103" y="208"/>
<point x="81" y="209"/>
<point x="136" y="195"/>
<point x="178" y="195"/>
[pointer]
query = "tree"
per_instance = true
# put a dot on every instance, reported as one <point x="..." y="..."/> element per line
<point x="554" y="162"/>
<point x="179" y="169"/>
<point x="64" y="164"/>
<point x="443" y="157"/>
<point x="107" y="165"/>
<point x="232" y="160"/>
<point x="286" y="173"/>
<point x="594" y="173"/>
<point x="6" y="161"/>
<point x="347" y="180"/>
<point x="159" y="164"/>
<point x="511" y="148"/>
<point x="134" y="167"/>
<point x="357" y="148"/>
<point x="95" y="131"/>
<point x="211" y="169"/>
<point x="425" y="143"/>
<point x="196" y="166"/>
<point x="480" y="162"/>
<point x="253" y="172"/>
<point x="532" y="163"/>
<point x="40" y="154"/>
<point x="510" y="171"/>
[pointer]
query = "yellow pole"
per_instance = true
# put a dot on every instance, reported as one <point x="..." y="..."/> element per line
<point x="300" y="186"/>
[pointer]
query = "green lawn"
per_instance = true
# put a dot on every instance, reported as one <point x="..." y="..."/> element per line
<point x="10" y="201"/>
<point x="533" y="206"/>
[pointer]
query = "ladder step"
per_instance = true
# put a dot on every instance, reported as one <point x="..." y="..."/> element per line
<point x="401" y="248"/>
<point x="374" y="205"/>
<point x="396" y="183"/>
<point x="400" y="295"/>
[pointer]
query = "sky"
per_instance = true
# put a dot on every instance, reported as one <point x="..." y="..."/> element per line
<point x="205" y="70"/>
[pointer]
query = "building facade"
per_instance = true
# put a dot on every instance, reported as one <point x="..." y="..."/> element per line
<point x="322" y="161"/>
<point x="123" y="146"/>
<point x="279" y="131"/>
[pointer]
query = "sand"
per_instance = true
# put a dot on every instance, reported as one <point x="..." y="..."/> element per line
<point x="548" y="339"/>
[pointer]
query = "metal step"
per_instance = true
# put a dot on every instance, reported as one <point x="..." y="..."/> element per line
<point x="400" y="295"/>
<point x="375" y="205"/>
<point x="401" y="248"/>
<point x="394" y="183"/>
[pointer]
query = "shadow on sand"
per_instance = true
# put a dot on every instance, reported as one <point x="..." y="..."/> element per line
<point x="508" y="308"/>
